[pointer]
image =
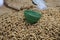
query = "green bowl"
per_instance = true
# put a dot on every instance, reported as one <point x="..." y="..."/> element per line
<point x="32" y="16"/>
